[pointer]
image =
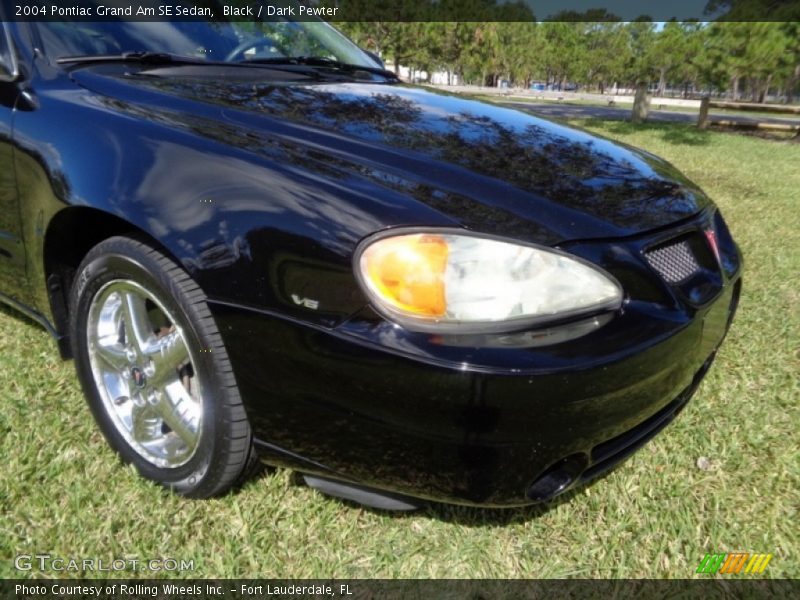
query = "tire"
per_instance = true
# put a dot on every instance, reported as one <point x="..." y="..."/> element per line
<point x="155" y="372"/>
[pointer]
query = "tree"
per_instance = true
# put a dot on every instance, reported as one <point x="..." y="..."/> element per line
<point x="563" y="51"/>
<point x="640" y="67"/>
<point x="687" y="71"/>
<point x="789" y="63"/>
<point x="667" y="52"/>
<point x="591" y="49"/>
<point x="746" y="52"/>
<point x="606" y="53"/>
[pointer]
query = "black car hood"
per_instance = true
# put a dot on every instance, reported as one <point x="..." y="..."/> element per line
<point x="485" y="167"/>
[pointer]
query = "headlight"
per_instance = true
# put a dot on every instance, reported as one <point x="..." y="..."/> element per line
<point x="437" y="280"/>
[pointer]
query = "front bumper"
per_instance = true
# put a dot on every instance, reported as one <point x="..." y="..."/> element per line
<point x="371" y="404"/>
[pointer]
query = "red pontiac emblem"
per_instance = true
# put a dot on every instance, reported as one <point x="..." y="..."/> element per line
<point x="138" y="377"/>
<point x="711" y="236"/>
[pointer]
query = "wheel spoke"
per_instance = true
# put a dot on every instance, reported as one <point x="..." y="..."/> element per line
<point x="145" y="424"/>
<point x="114" y="358"/>
<point x="119" y="390"/>
<point x="179" y="412"/>
<point x="138" y="329"/>
<point x="173" y="447"/>
<point x="169" y="353"/>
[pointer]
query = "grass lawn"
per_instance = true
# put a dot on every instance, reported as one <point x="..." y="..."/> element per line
<point x="63" y="492"/>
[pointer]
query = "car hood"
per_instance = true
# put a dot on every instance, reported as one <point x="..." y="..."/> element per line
<point x="488" y="168"/>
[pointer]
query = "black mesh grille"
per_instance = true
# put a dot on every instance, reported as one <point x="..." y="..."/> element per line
<point x="675" y="262"/>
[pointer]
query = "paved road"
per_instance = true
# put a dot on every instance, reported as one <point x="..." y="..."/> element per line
<point x="572" y="111"/>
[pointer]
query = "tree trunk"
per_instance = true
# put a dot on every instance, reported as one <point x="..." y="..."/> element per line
<point x="735" y="88"/>
<point x="765" y="90"/>
<point x="641" y="103"/>
<point x="702" y="119"/>
<point x="662" y="81"/>
<point x="791" y="88"/>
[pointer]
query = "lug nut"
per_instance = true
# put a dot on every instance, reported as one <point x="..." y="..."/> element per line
<point x="154" y="397"/>
<point x="150" y="368"/>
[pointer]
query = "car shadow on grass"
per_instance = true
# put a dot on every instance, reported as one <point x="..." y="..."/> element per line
<point x="22" y="318"/>
<point x="468" y="516"/>
<point x="471" y="516"/>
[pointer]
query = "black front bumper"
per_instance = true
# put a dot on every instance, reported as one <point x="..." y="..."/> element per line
<point x="371" y="404"/>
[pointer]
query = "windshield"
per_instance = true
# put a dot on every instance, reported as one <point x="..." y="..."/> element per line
<point x="211" y="40"/>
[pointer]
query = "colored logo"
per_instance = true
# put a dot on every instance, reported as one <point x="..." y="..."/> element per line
<point x="711" y="236"/>
<point x="734" y="563"/>
<point x="138" y="377"/>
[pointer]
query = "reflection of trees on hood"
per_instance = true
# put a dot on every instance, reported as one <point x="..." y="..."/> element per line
<point x="537" y="159"/>
<point x="552" y="162"/>
<point x="542" y="161"/>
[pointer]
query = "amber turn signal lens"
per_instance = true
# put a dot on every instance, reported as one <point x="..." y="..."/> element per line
<point x="408" y="272"/>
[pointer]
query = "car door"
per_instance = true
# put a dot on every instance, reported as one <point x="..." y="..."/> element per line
<point x="12" y="251"/>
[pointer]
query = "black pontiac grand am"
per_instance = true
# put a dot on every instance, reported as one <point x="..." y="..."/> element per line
<point x="256" y="243"/>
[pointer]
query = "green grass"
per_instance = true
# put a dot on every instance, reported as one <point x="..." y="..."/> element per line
<point x="63" y="492"/>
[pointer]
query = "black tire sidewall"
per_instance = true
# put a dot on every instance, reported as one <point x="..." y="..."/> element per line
<point x="92" y="277"/>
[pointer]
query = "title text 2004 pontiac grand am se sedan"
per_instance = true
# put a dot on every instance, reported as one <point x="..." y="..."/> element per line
<point x="256" y="242"/>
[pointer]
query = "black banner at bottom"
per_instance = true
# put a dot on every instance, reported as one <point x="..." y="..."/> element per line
<point x="363" y="589"/>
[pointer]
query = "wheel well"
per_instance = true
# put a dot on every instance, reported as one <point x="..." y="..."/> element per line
<point x="71" y="234"/>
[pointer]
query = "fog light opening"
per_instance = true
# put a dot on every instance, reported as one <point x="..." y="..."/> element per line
<point x="558" y="478"/>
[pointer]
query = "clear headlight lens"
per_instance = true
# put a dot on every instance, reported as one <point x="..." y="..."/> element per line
<point x="442" y="280"/>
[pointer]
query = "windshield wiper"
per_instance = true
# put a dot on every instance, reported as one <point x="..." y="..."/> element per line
<point x="165" y="58"/>
<point x="158" y="59"/>
<point x="144" y="58"/>
<point x="319" y="61"/>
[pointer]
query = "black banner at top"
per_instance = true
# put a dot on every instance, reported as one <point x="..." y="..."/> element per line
<point x="403" y="10"/>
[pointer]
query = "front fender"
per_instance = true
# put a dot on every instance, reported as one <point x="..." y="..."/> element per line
<point x="256" y="221"/>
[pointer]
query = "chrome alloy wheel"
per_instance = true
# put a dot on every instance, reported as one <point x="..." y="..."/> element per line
<point x="143" y="368"/>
